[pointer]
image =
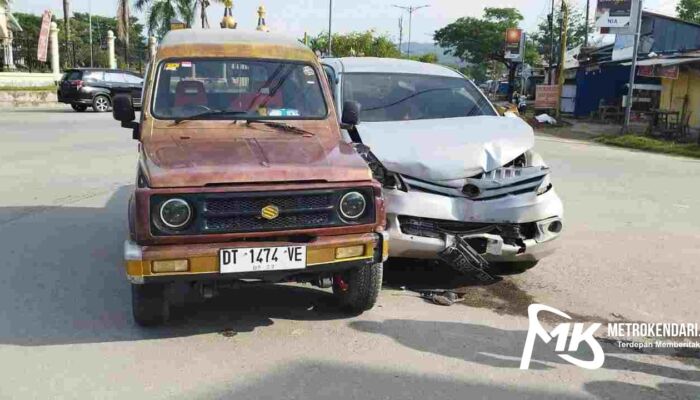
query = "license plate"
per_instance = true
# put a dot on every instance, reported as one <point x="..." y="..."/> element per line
<point x="253" y="259"/>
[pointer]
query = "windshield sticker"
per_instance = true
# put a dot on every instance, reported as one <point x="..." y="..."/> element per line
<point x="283" y="112"/>
<point x="186" y="64"/>
<point x="172" y="66"/>
<point x="308" y="71"/>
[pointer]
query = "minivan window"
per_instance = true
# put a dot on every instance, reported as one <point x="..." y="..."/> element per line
<point x="399" y="97"/>
<point x="238" y="89"/>
<point x="133" y="79"/>
<point x="73" y="76"/>
<point x="114" y="77"/>
<point x="93" y="76"/>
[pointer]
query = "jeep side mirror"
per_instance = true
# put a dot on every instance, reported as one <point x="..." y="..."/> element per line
<point x="351" y="114"/>
<point x="123" y="111"/>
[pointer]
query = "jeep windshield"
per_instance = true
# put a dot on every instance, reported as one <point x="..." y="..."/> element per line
<point x="237" y="89"/>
<point x="400" y="97"/>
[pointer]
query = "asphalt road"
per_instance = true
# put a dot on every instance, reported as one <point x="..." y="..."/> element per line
<point x="629" y="253"/>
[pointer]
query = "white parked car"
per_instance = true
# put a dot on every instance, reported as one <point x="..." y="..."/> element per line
<point x="450" y="165"/>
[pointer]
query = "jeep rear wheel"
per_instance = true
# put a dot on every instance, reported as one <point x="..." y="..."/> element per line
<point x="357" y="289"/>
<point x="149" y="304"/>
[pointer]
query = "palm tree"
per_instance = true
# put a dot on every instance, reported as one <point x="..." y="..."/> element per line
<point x="123" y="25"/>
<point x="66" y="25"/>
<point x="160" y="12"/>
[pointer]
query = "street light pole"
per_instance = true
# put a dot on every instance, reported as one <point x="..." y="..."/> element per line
<point x="330" y="29"/>
<point x="411" y="10"/>
<point x="633" y="70"/>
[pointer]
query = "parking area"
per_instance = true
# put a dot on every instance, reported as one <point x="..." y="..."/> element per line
<point x="629" y="252"/>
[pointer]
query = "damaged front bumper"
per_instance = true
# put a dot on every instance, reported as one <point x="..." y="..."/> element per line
<point x="513" y="228"/>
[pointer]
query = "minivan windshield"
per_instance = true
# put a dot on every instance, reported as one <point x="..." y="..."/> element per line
<point x="237" y="89"/>
<point x="399" y="97"/>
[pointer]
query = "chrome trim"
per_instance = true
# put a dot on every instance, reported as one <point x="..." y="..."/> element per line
<point x="132" y="251"/>
<point x="340" y="205"/>
<point x="169" y="225"/>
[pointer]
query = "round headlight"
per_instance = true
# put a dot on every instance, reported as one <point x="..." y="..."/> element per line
<point x="175" y="213"/>
<point x="352" y="205"/>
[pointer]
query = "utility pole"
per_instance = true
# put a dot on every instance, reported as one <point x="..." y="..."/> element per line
<point x="411" y="10"/>
<point x="588" y="9"/>
<point x="330" y="29"/>
<point x="400" y="34"/>
<point x="90" y="30"/>
<point x="633" y="68"/>
<point x="562" y="52"/>
<point x="551" y="44"/>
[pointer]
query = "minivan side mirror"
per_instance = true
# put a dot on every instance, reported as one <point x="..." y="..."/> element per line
<point x="123" y="111"/>
<point x="351" y="114"/>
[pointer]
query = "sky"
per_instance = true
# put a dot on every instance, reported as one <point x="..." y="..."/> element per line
<point x="294" y="17"/>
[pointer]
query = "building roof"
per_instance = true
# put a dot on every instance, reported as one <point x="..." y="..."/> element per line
<point x="232" y="43"/>
<point x="391" y="65"/>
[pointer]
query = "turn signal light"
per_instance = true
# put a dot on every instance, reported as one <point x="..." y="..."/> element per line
<point x="348" y="252"/>
<point x="170" y="266"/>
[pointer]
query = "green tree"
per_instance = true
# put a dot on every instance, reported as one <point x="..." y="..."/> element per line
<point x="576" y="32"/>
<point x="368" y="44"/>
<point x="160" y="12"/>
<point x="431" y="58"/>
<point x="80" y="23"/>
<point x="689" y="10"/>
<point x="479" y="40"/>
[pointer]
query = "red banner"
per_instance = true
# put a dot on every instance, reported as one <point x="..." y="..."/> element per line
<point x="43" y="46"/>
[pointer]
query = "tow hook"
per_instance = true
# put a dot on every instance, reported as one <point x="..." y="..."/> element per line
<point x="340" y="283"/>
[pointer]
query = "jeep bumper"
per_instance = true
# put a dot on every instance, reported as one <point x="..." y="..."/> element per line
<point x="202" y="260"/>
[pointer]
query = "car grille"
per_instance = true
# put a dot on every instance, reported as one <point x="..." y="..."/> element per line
<point x="217" y="213"/>
<point x="243" y="214"/>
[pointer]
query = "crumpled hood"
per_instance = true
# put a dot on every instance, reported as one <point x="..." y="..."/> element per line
<point x="449" y="148"/>
<point x="175" y="162"/>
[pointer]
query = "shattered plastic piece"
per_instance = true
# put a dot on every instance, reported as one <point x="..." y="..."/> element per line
<point x="464" y="259"/>
<point x="441" y="298"/>
<point x="545" y="119"/>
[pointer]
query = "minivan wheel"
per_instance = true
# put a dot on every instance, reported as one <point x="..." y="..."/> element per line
<point x="149" y="304"/>
<point x="79" y="107"/>
<point x="357" y="289"/>
<point x="101" y="103"/>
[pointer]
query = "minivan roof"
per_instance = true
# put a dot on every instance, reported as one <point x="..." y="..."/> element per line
<point x="390" y="65"/>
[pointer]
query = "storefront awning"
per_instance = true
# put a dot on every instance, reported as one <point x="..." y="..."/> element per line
<point x="664" y="62"/>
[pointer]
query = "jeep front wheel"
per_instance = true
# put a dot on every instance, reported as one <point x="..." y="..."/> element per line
<point x="149" y="304"/>
<point x="357" y="289"/>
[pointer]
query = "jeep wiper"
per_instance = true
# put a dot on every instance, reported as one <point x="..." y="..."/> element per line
<point x="281" y="126"/>
<point x="210" y="113"/>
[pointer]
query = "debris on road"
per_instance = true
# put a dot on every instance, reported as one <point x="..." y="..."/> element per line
<point x="441" y="298"/>
<point x="545" y="119"/>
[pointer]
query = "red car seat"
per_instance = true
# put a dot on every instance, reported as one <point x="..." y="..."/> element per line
<point x="190" y="92"/>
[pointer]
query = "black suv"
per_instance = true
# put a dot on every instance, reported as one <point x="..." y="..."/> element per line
<point x="93" y="87"/>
